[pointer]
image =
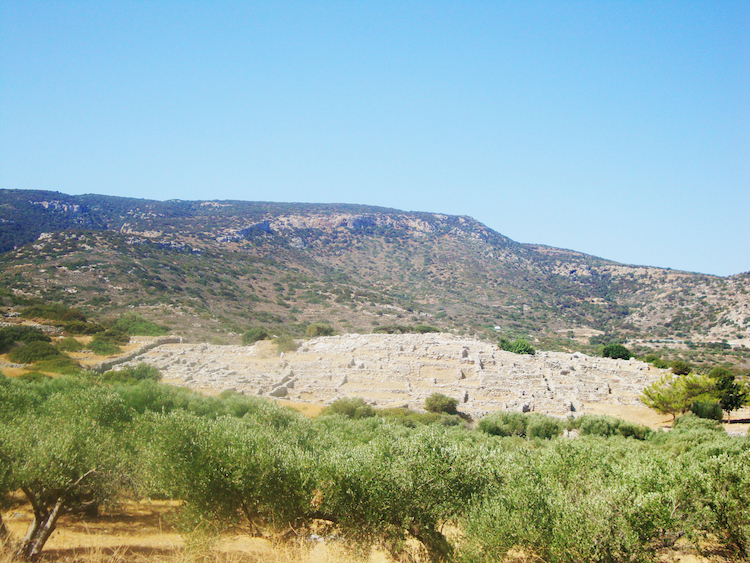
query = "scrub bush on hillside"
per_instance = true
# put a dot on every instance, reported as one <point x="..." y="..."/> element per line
<point x="535" y="425"/>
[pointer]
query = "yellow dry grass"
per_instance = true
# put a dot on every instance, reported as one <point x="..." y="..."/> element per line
<point x="12" y="372"/>
<point x="308" y="409"/>
<point x="137" y="532"/>
<point x="639" y="414"/>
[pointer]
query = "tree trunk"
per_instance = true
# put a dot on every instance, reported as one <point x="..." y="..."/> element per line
<point x="41" y="528"/>
<point x="438" y="548"/>
<point x="44" y="532"/>
<point x="4" y="534"/>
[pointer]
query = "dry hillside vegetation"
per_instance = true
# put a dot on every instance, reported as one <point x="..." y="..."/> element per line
<point x="215" y="268"/>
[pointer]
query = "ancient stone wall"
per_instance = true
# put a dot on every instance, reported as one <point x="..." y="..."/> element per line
<point x="403" y="370"/>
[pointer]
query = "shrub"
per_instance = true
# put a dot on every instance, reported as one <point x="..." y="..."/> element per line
<point x="616" y="351"/>
<point x="410" y="418"/>
<point x="103" y="347"/>
<point x="59" y="364"/>
<point x="141" y="372"/>
<point x="53" y="312"/>
<point x="439" y="403"/>
<point x="133" y="324"/>
<point x="719" y="373"/>
<point x="689" y="432"/>
<point x="606" y="426"/>
<point x="518" y="346"/>
<point x="254" y="334"/>
<point x="285" y="343"/>
<point x="656" y="361"/>
<point x="504" y="423"/>
<point x="34" y="377"/>
<point x="401" y="329"/>
<point x="69" y="344"/>
<point x="9" y="335"/>
<point x="82" y="327"/>
<point x="706" y="409"/>
<point x="391" y="329"/>
<point x="544" y="427"/>
<point x="522" y="347"/>
<point x="679" y="367"/>
<point x="507" y="423"/>
<point x="593" y="425"/>
<point x="628" y="429"/>
<point x="155" y="397"/>
<point x="690" y="421"/>
<point x="115" y="335"/>
<point x="319" y="329"/>
<point x="350" y="407"/>
<point x="424" y="329"/>
<point x="33" y="352"/>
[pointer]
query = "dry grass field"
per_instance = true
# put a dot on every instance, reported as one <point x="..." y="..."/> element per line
<point x="140" y="532"/>
<point x="137" y="532"/>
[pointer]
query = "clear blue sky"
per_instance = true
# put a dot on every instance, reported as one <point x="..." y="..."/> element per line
<point x="619" y="129"/>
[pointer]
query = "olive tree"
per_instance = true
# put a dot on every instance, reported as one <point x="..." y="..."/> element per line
<point x="225" y="468"/>
<point x="6" y="486"/>
<point x="66" y="455"/>
<point x="588" y="499"/>
<point x="390" y="489"/>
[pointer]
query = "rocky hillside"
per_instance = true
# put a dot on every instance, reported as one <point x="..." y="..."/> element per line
<point x="217" y="267"/>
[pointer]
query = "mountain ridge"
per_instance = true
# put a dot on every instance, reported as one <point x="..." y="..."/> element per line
<point x="356" y="266"/>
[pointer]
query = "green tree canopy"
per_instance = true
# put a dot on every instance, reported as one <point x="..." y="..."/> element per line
<point x="674" y="394"/>
<point x="67" y="454"/>
<point x="518" y="346"/>
<point x="616" y="351"/>
<point x="254" y="334"/>
<point x="439" y="403"/>
<point x="731" y="394"/>
<point x="351" y="407"/>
